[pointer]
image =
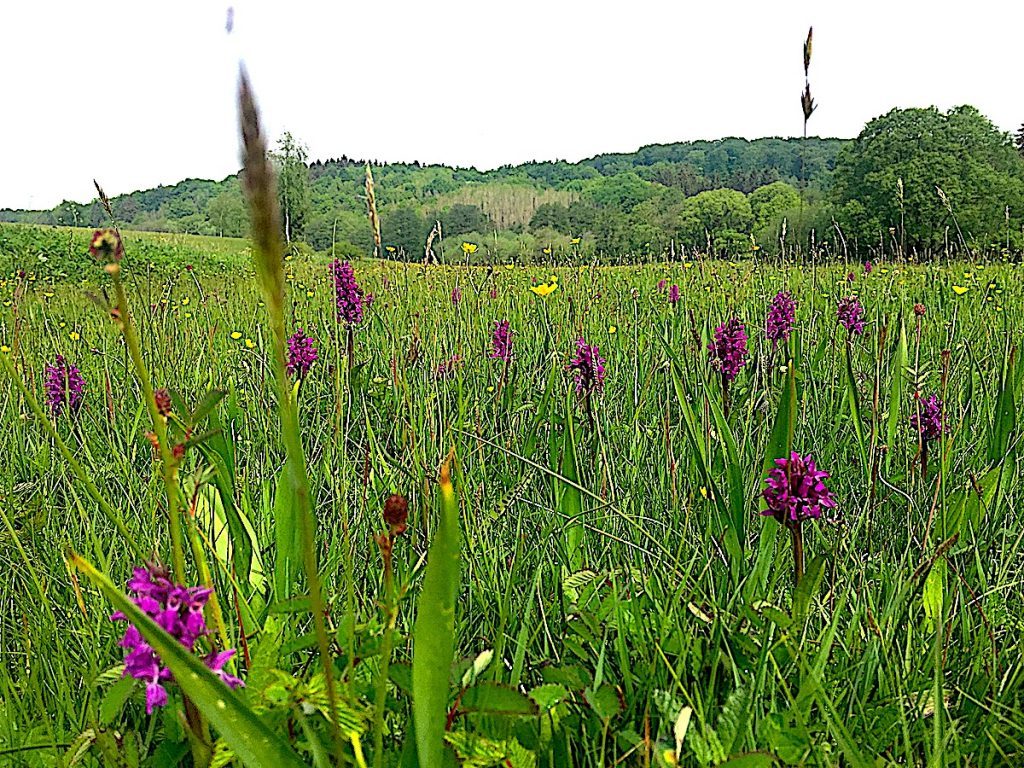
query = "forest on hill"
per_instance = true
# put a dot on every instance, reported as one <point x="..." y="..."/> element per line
<point x="914" y="181"/>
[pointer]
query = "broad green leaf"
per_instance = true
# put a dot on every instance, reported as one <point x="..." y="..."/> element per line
<point x="252" y="741"/>
<point x="570" y="500"/>
<point x="932" y="594"/>
<point x="853" y="399"/>
<point x="1004" y="422"/>
<point x="496" y="699"/>
<point x="288" y="556"/>
<point x="434" y="632"/>
<point x="807" y="588"/>
<point x="899" y="365"/>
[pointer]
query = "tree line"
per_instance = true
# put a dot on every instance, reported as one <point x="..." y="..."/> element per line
<point x="913" y="181"/>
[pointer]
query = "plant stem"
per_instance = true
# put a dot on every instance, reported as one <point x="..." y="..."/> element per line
<point x="797" y="534"/>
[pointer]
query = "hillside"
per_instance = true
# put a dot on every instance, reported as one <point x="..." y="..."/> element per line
<point x="514" y="208"/>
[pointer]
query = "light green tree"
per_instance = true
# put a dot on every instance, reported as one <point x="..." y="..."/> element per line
<point x="293" y="185"/>
<point x="719" y="218"/>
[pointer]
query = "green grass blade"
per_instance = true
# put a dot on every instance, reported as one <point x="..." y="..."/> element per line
<point x="570" y="500"/>
<point x="434" y="632"/>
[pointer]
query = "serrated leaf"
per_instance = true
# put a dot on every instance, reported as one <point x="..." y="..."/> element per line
<point x="547" y="695"/>
<point x="605" y="702"/>
<point x="114" y="700"/>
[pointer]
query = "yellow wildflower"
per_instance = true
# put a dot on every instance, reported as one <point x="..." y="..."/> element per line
<point x="469" y="248"/>
<point x="544" y="289"/>
<point x="74" y="336"/>
<point x="959" y="290"/>
<point x="250" y="344"/>
<point x="236" y="335"/>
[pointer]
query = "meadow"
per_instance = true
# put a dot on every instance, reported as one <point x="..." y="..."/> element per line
<point x="618" y="597"/>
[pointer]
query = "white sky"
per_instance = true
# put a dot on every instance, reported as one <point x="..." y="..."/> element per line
<point x="141" y="93"/>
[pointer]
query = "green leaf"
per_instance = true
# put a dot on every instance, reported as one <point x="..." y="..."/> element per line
<point x="1005" y="420"/>
<point x="780" y="444"/>
<point x="807" y="588"/>
<point x="434" y="631"/>
<point x="210" y="401"/>
<point x="496" y="699"/>
<point x="899" y="364"/>
<point x="114" y="700"/>
<point x="932" y="594"/>
<point x="252" y="741"/>
<point x="547" y="695"/>
<point x="853" y="398"/>
<point x="286" y="532"/>
<point x="570" y="500"/>
<point x="605" y="702"/>
<point x="219" y="452"/>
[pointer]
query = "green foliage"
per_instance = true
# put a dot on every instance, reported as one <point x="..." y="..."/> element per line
<point x="888" y="181"/>
<point x="721" y="217"/>
<point x="292" y="186"/>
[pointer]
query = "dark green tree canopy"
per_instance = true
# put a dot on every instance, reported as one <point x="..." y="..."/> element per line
<point x="887" y="183"/>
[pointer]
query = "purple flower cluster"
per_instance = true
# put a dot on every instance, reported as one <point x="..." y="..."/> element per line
<point x="927" y="418"/>
<point x="587" y="368"/>
<point x="456" y="295"/>
<point x="301" y="354"/>
<point x="178" y="611"/>
<point x="781" y="315"/>
<point x="850" y="314"/>
<point x="661" y="285"/>
<point x="65" y="387"/>
<point x="795" y="491"/>
<point x="501" y="341"/>
<point x="673" y="294"/>
<point x="447" y="368"/>
<point x="868" y="267"/>
<point x="729" y="349"/>
<point x="348" y="298"/>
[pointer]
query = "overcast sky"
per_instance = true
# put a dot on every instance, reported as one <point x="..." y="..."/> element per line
<point x="141" y="93"/>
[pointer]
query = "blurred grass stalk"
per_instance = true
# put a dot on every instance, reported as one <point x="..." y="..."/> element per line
<point x="259" y="185"/>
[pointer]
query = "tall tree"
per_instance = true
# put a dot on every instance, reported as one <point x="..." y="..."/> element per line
<point x="293" y="185"/>
<point x="887" y="182"/>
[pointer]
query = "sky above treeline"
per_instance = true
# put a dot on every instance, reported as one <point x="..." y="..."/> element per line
<point x="138" y="94"/>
